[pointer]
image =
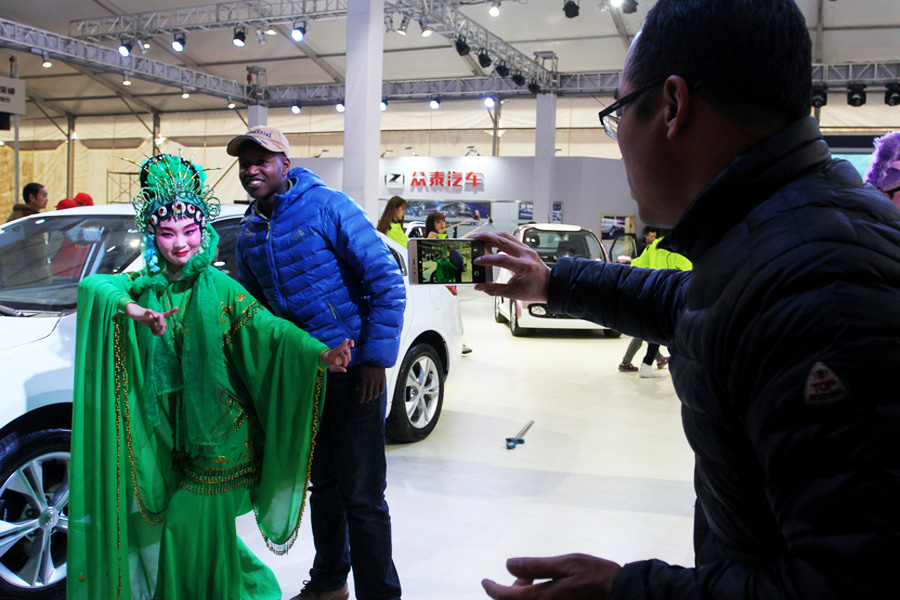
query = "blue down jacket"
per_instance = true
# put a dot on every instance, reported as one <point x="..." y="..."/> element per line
<point x="785" y="344"/>
<point x="320" y="263"/>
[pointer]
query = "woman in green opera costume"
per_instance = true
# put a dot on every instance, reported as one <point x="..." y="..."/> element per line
<point x="193" y="404"/>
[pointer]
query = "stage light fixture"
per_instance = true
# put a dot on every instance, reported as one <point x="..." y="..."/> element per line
<point x="494" y="10"/>
<point x="340" y="107"/>
<point x="629" y="7"/>
<point x="178" y="42"/>
<point x="124" y="47"/>
<point x="892" y="94"/>
<point x="126" y="80"/>
<point x="570" y="8"/>
<point x="856" y="94"/>
<point x="484" y="60"/>
<point x="518" y="78"/>
<point x="260" y="36"/>
<point x="384" y="104"/>
<point x="489" y="101"/>
<point x="616" y="3"/>
<point x="240" y="37"/>
<point x="501" y="69"/>
<point x="462" y="48"/>
<point x="434" y="103"/>
<point x="296" y="108"/>
<point x="404" y="23"/>
<point x="185" y="94"/>
<point x="534" y="88"/>
<point x="298" y="31"/>
<point x="144" y="45"/>
<point x="270" y="30"/>
<point x="231" y="104"/>
<point x="819" y="95"/>
<point x="46" y="62"/>
<point x="425" y="27"/>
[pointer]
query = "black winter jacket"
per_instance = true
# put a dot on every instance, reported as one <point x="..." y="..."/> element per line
<point x="785" y="344"/>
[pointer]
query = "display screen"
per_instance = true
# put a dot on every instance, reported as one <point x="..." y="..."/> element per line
<point x="446" y="261"/>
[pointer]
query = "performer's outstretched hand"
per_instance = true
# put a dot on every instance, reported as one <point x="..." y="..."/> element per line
<point x="156" y="321"/>
<point x="338" y="358"/>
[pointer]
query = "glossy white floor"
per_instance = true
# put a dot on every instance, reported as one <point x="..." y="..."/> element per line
<point x="605" y="469"/>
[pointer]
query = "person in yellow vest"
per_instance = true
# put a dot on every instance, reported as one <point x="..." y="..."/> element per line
<point x="436" y="226"/>
<point x="391" y="221"/>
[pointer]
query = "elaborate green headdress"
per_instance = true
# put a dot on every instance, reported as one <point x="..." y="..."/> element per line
<point x="173" y="187"/>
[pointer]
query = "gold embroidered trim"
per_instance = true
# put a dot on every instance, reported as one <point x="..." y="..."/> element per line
<point x="119" y="373"/>
<point x="228" y="312"/>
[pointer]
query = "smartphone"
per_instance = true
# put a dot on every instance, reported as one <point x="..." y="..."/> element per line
<point x="447" y="261"/>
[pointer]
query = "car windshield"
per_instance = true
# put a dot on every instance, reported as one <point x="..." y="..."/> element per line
<point x="553" y="245"/>
<point x="42" y="260"/>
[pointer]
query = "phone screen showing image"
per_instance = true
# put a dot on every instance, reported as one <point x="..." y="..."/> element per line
<point x="446" y="261"/>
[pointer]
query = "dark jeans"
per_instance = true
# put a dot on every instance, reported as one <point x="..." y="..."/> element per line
<point x="351" y="524"/>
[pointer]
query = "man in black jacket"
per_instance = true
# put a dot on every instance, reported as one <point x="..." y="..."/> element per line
<point x="785" y="338"/>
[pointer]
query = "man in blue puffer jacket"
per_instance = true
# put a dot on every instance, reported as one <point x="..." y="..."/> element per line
<point x="785" y="337"/>
<point x="312" y="256"/>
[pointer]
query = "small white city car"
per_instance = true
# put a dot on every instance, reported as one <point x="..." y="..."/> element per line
<point x="42" y="259"/>
<point x="551" y="241"/>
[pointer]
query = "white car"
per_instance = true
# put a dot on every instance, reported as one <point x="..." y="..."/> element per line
<point x="42" y="259"/>
<point x="551" y="241"/>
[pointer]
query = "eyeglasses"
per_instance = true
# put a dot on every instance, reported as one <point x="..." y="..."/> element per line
<point x="610" y="120"/>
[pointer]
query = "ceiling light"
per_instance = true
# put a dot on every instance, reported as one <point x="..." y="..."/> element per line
<point x="126" y="80"/>
<point x="340" y="107"/>
<point x="46" y="62"/>
<point x="240" y="37"/>
<point x="388" y="23"/>
<point x="124" y="47"/>
<point x="489" y="101"/>
<point x="298" y="31"/>
<point x="270" y="30"/>
<point x="483" y="59"/>
<point x="501" y="69"/>
<point x="892" y="94"/>
<point x="185" y="94"/>
<point x="494" y="10"/>
<point x="570" y="7"/>
<point x="260" y="36"/>
<point x="629" y="6"/>
<point x="295" y="108"/>
<point x="426" y="29"/>
<point x="819" y="95"/>
<point x="462" y="48"/>
<point x="616" y="3"/>
<point x="384" y="104"/>
<point x="518" y="78"/>
<point x="74" y="135"/>
<point x="404" y="23"/>
<point x="434" y="103"/>
<point x="231" y="103"/>
<point x="178" y="42"/>
<point x="534" y="88"/>
<point x="144" y="44"/>
<point x="856" y="94"/>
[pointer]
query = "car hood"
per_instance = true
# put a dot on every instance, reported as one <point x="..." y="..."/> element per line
<point x="18" y="331"/>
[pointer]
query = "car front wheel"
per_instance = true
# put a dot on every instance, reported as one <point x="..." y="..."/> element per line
<point x="514" y="321"/>
<point x="418" y="396"/>
<point x="34" y="520"/>
<point x="498" y="314"/>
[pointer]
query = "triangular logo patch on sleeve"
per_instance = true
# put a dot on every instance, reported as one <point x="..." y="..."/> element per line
<point x="823" y="387"/>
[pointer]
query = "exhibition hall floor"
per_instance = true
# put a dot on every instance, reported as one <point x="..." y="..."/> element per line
<point x="604" y="470"/>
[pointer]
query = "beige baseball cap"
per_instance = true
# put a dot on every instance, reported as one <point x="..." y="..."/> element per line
<point x="269" y="138"/>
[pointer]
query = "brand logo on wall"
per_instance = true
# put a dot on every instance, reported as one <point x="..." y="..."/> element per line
<point x="394" y="178"/>
<point x="447" y="180"/>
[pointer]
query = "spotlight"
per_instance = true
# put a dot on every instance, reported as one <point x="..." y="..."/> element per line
<point x="404" y="23"/>
<point x="260" y="36"/>
<point x="145" y="45"/>
<point x="46" y="62"/>
<point x="178" y="42"/>
<point x="240" y="37"/>
<point x="489" y="101"/>
<point x="494" y="10"/>
<point x="231" y="103"/>
<point x="501" y="69"/>
<point x="295" y="108"/>
<point x="124" y="47"/>
<point x="534" y="88"/>
<point x="483" y="59"/>
<point x="570" y="7"/>
<point x="629" y="7"/>
<point x="426" y="29"/>
<point x="819" y="95"/>
<point x="892" y="94"/>
<point x="856" y="94"/>
<point x="270" y="30"/>
<point x="518" y="78"/>
<point x="298" y="31"/>
<point x="388" y="23"/>
<point x="185" y="94"/>
<point x="384" y="104"/>
<point x="126" y="80"/>
<point x="434" y="103"/>
<point x="616" y="3"/>
<point x="340" y="107"/>
<point x="462" y="48"/>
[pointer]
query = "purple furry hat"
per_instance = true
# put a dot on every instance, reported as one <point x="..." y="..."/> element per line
<point x="885" y="170"/>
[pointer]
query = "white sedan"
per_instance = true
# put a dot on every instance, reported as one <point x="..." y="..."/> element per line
<point x="38" y="285"/>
